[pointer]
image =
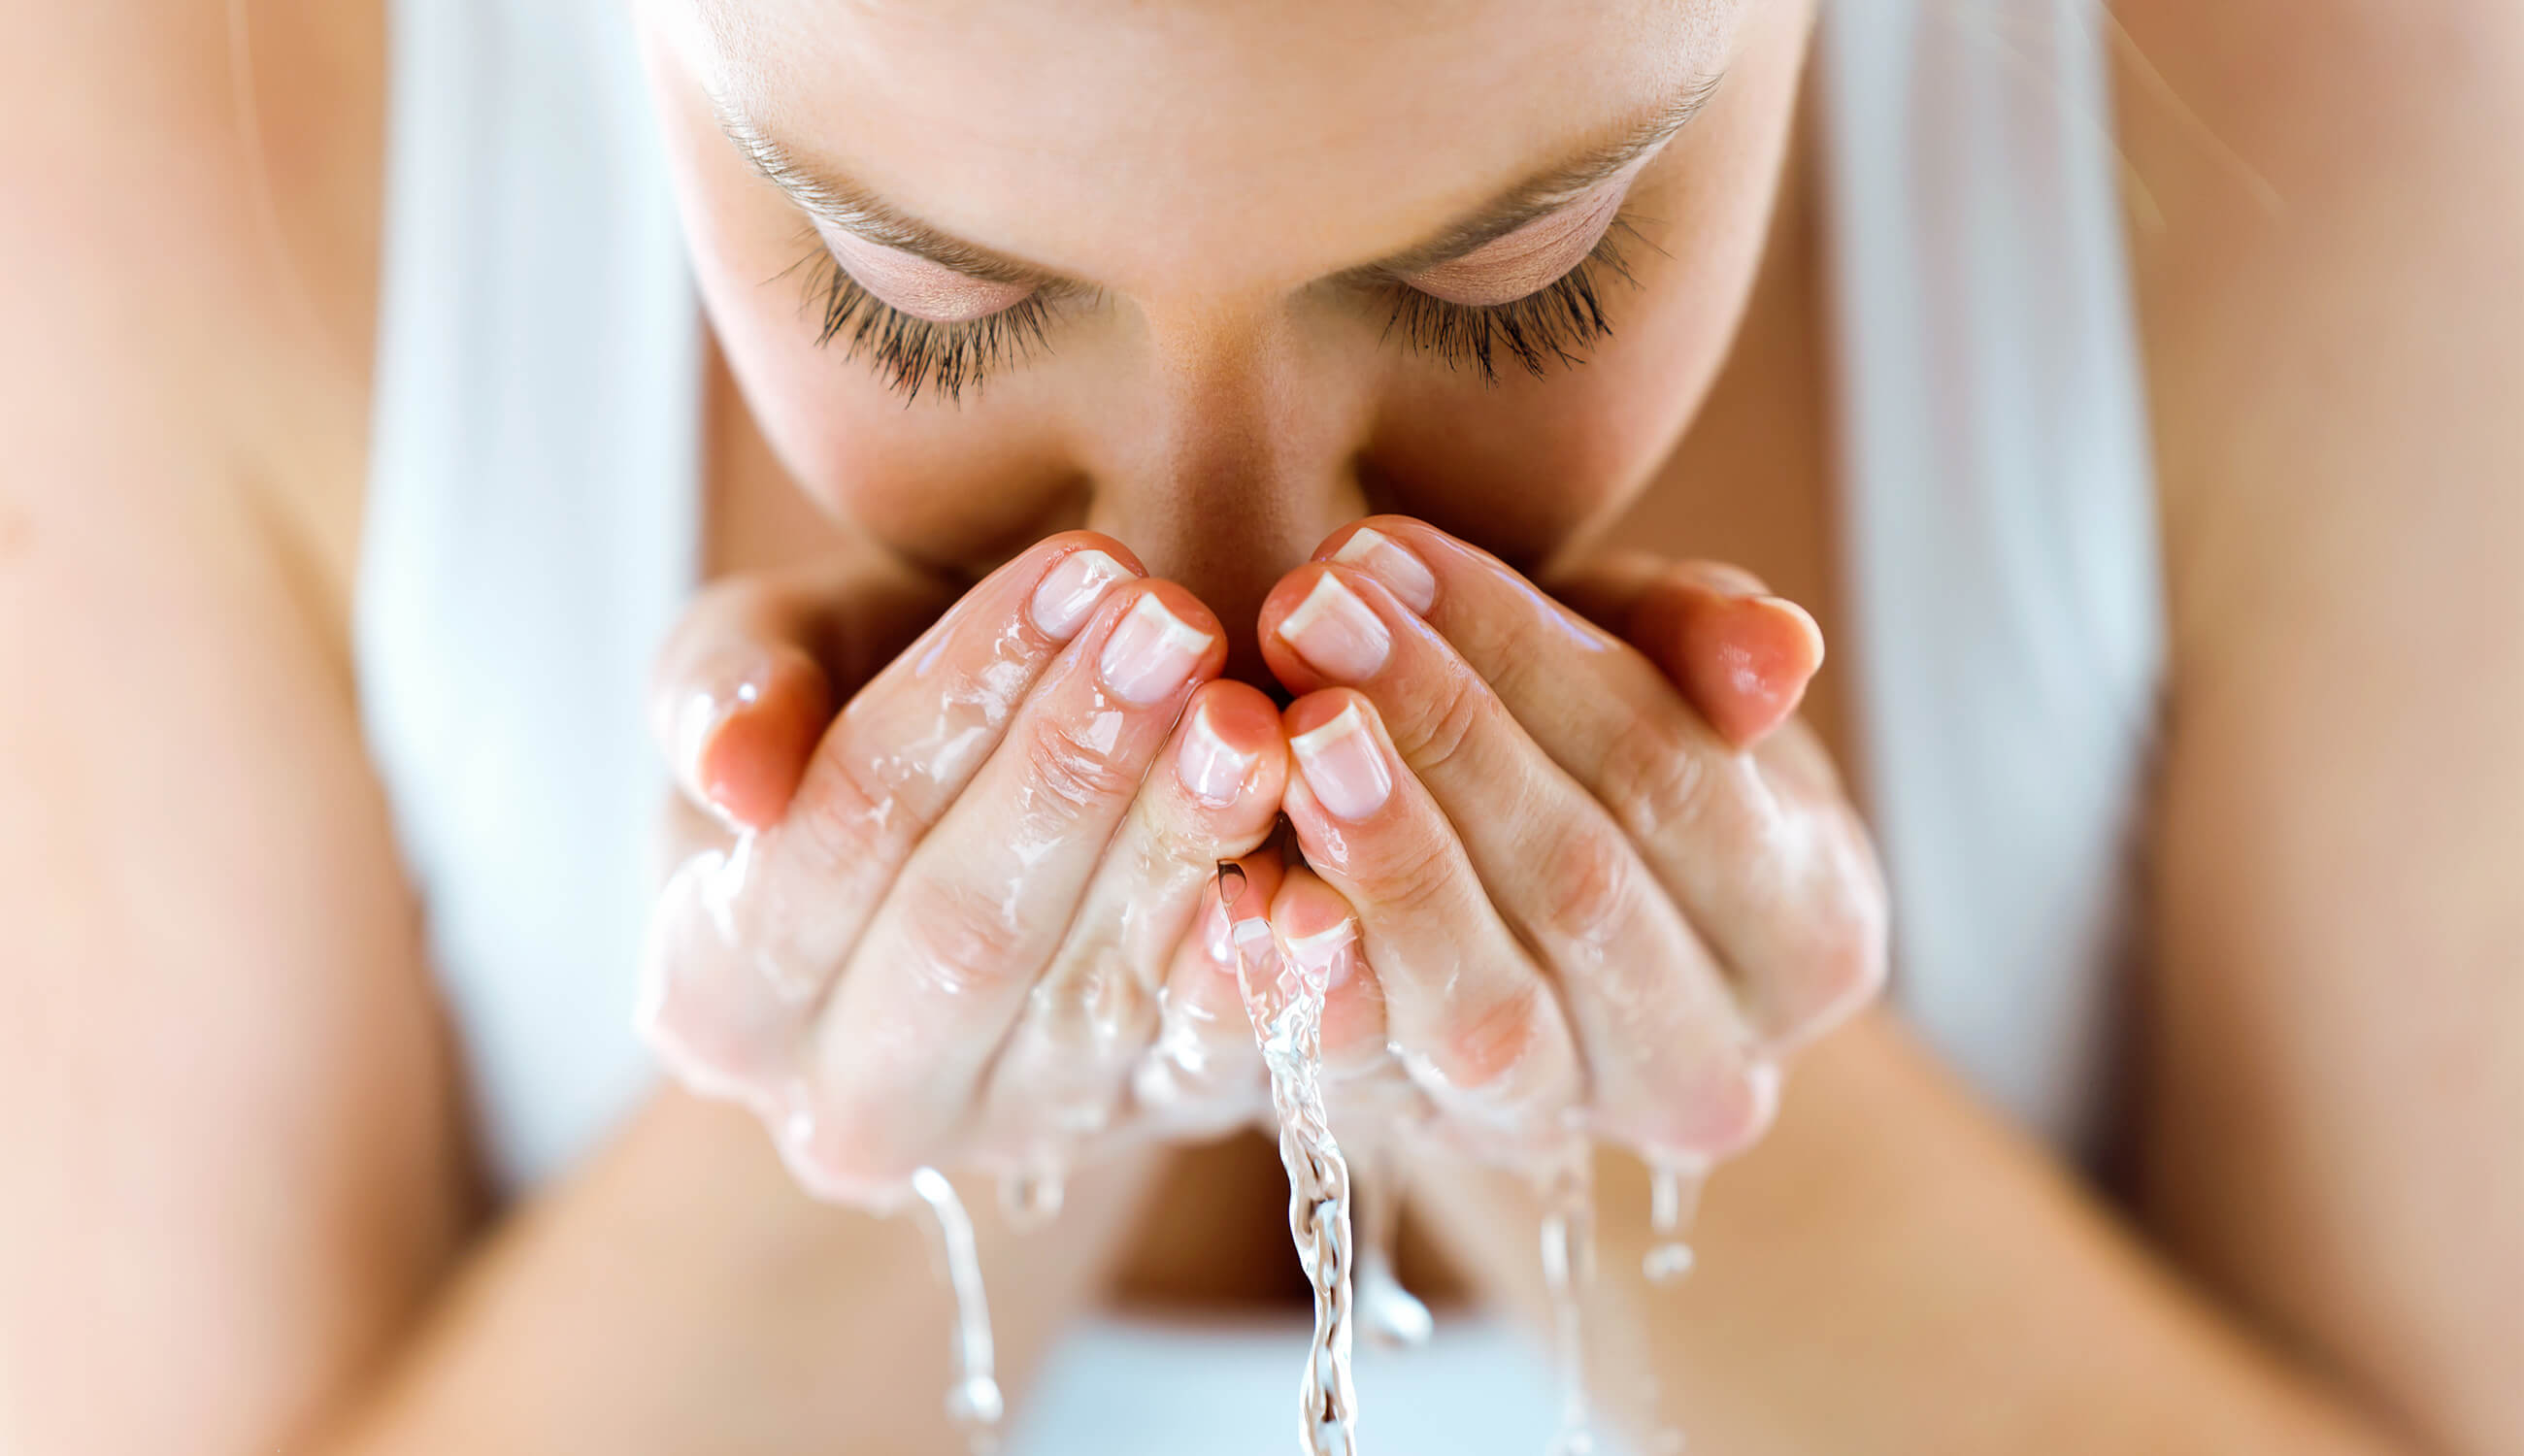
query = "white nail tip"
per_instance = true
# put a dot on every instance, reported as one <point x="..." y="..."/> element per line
<point x="1319" y="945"/>
<point x="1313" y="744"/>
<point x="1328" y="597"/>
<point x="1355" y="550"/>
<point x="1070" y="591"/>
<point x="1174" y="634"/>
<point x="1391" y="562"/>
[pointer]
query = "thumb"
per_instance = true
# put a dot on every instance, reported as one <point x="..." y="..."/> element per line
<point x="1739" y="654"/>
<point x="748" y="681"/>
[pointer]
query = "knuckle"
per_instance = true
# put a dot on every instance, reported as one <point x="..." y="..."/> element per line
<point x="1841" y="956"/>
<point x="1444" y="728"/>
<point x="1709" y="1107"/>
<point x="1171" y="841"/>
<point x="956" y="940"/>
<point x="840" y="819"/>
<point x="1098" y="1005"/>
<point x="1412" y="877"/>
<point x="1654" y="783"/>
<point x="1738" y="1109"/>
<point x="1590" y="881"/>
<point x="1078" y="770"/>
<point x="1485" y="1049"/>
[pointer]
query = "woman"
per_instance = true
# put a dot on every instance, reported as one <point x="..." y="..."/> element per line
<point x="298" y="643"/>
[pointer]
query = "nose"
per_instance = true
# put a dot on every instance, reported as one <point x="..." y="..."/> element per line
<point x="1241" y="457"/>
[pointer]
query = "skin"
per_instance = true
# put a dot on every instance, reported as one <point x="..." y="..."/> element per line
<point x="243" y="1219"/>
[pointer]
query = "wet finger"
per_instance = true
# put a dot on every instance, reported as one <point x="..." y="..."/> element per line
<point x="1204" y="1074"/>
<point x="933" y="986"/>
<point x="905" y="747"/>
<point x="1772" y="870"/>
<point x="1672" y="1063"/>
<point x="1214" y="795"/>
<point x="1477" y="1023"/>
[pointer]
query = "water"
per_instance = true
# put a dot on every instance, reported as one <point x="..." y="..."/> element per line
<point x="1288" y="1007"/>
<point x="1567" y="1187"/>
<point x="973" y="1401"/>
<point x="1674" y="1200"/>
<point x="1353" y="1280"/>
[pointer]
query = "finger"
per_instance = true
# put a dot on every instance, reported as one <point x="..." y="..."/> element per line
<point x="1477" y="1024"/>
<point x="1672" y="1063"/>
<point x="932" y="988"/>
<point x="1321" y="936"/>
<point x="1737" y="652"/>
<point x="703" y="1007"/>
<point x="906" y="746"/>
<point x="748" y="934"/>
<point x="1215" y="795"/>
<point x="1204" y="1073"/>
<point x="743" y="685"/>
<point x="1770" y="868"/>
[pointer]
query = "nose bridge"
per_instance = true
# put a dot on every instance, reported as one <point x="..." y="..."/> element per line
<point x="1240" y="457"/>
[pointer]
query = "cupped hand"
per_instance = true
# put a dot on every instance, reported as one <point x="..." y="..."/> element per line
<point x="939" y="927"/>
<point x="1604" y="882"/>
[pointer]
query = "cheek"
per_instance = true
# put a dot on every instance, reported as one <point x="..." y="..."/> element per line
<point x="1524" y="465"/>
<point x="1527" y="463"/>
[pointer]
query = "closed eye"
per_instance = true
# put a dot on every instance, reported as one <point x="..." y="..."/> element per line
<point x="912" y="353"/>
<point x="1555" y="323"/>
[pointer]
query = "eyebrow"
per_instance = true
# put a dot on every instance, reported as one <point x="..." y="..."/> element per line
<point x="844" y="204"/>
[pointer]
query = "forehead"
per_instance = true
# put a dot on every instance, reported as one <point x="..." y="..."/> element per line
<point x="1205" y="143"/>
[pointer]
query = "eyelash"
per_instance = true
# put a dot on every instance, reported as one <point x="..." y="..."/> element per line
<point x="914" y="354"/>
<point x="1558" y="324"/>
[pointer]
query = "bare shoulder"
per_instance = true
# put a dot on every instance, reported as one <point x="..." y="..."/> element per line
<point x="188" y="261"/>
<point x="2327" y="205"/>
<point x="221" y="1066"/>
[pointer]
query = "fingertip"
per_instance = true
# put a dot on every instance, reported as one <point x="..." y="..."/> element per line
<point x="1160" y="639"/>
<point x="1287" y="664"/>
<point x="1079" y="570"/>
<point x="1743" y="659"/>
<point x="1313" y="710"/>
<point x="749" y="758"/>
<point x="1380" y="553"/>
<point x="1052" y="548"/>
<point x="1309" y="913"/>
<point x="1231" y="746"/>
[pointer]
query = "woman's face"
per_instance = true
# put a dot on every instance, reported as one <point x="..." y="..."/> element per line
<point x="1215" y="276"/>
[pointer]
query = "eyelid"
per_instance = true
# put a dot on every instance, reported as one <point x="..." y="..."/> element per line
<point x="1528" y="260"/>
<point x="927" y="291"/>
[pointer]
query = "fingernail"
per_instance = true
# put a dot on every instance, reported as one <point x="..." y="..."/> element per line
<point x="1382" y="556"/>
<point x="1151" y="654"/>
<point x="1068" y="592"/>
<point x="1218" y="937"/>
<point x="1207" y="766"/>
<point x="1328" y="956"/>
<point x="1342" y="766"/>
<point x="1802" y="621"/>
<point x="1250" y="940"/>
<point x="1337" y="634"/>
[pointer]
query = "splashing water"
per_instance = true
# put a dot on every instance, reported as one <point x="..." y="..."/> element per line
<point x="1287" y="1007"/>
<point x="973" y="1402"/>
<point x="1674" y="1201"/>
<point x="1567" y="1271"/>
